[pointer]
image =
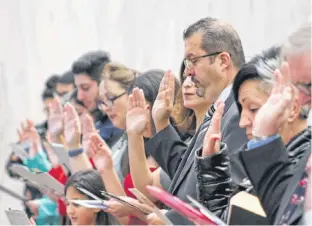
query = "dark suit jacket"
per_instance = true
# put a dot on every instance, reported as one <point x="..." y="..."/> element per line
<point x="177" y="160"/>
<point x="275" y="178"/>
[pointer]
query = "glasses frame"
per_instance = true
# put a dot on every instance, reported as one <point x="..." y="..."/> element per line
<point x="110" y="101"/>
<point x="192" y="61"/>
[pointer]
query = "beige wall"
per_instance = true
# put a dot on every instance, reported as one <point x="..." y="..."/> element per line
<point x="41" y="37"/>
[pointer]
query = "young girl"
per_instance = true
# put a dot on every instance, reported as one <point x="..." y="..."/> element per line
<point x="90" y="180"/>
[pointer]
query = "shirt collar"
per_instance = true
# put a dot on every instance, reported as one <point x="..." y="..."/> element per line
<point x="224" y="94"/>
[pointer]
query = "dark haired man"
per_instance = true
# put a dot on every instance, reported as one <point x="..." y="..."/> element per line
<point x="213" y="56"/>
<point x="87" y="71"/>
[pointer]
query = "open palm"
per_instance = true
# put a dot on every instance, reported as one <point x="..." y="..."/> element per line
<point x="212" y="138"/>
<point x="277" y="108"/>
<point x="88" y="128"/>
<point x="55" y="118"/>
<point x="102" y="156"/>
<point x="163" y="104"/>
<point x="137" y="115"/>
<point x="72" y="127"/>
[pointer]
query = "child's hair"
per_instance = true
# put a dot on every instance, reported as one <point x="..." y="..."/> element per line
<point x="91" y="180"/>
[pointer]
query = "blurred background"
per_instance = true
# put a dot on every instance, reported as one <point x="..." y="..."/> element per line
<point x="42" y="37"/>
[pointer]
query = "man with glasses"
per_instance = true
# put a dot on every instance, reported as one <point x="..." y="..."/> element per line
<point x="213" y="56"/>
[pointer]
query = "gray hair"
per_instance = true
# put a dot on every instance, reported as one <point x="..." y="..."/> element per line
<point x="298" y="42"/>
<point x="218" y="36"/>
<point x="266" y="64"/>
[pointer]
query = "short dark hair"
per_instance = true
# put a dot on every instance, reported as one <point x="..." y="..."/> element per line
<point x="91" y="63"/>
<point x="52" y="81"/>
<point x="91" y="180"/>
<point x="47" y="94"/>
<point x="249" y="71"/>
<point x="67" y="78"/>
<point x="218" y="36"/>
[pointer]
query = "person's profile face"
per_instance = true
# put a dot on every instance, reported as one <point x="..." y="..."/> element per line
<point x="191" y="100"/>
<point x="87" y="90"/>
<point x="203" y="70"/>
<point x="63" y="89"/>
<point x="77" y="214"/>
<point x="114" y="102"/>
<point x="251" y="99"/>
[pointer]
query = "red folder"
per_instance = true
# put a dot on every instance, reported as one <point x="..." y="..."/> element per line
<point x="182" y="207"/>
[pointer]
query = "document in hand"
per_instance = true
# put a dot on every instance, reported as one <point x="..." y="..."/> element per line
<point x="90" y="203"/>
<point x="17" y="217"/>
<point x="246" y="209"/>
<point x="120" y="200"/>
<point x="142" y="198"/>
<point x="39" y="180"/>
<point x="61" y="153"/>
<point x="96" y="203"/>
<point x="183" y="208"/>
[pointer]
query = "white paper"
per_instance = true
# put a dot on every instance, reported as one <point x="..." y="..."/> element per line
<point x="17" y="217"/>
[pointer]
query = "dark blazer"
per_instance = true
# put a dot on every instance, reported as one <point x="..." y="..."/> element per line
<point x="274" y="177"/>
<point x="177" y="160"/>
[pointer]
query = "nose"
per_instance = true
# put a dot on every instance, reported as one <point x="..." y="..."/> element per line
<point x="189" y="71"/>
<point x="245" y="120"/>
<point x="188" y="82"/>
<point x="70" y="209"/>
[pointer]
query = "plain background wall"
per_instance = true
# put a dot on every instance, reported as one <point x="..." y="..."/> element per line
<point x="42" y="37"/>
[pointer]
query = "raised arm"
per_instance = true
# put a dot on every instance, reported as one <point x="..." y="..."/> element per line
<point x="137" y="119"/>
<point x="72" y="134"/>
<point x="166" y="146"/>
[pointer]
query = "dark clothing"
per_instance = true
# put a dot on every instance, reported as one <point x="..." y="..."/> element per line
<point x="177" y="160"/>
<point x="107" y="131"/>
<point x="275" y="176"/>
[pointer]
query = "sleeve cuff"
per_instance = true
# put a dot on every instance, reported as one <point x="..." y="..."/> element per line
<point x="253" y="144"/>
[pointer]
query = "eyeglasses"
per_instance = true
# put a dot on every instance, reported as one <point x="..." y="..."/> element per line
<point x="109" y="102"/>
<point x="194" y="60"/>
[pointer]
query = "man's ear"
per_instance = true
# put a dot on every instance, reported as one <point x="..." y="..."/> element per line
<point x="295" y="110"/>
<point x="225" y="60"/>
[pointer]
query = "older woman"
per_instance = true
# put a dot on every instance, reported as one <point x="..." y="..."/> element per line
<point x="251" y="89"/>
